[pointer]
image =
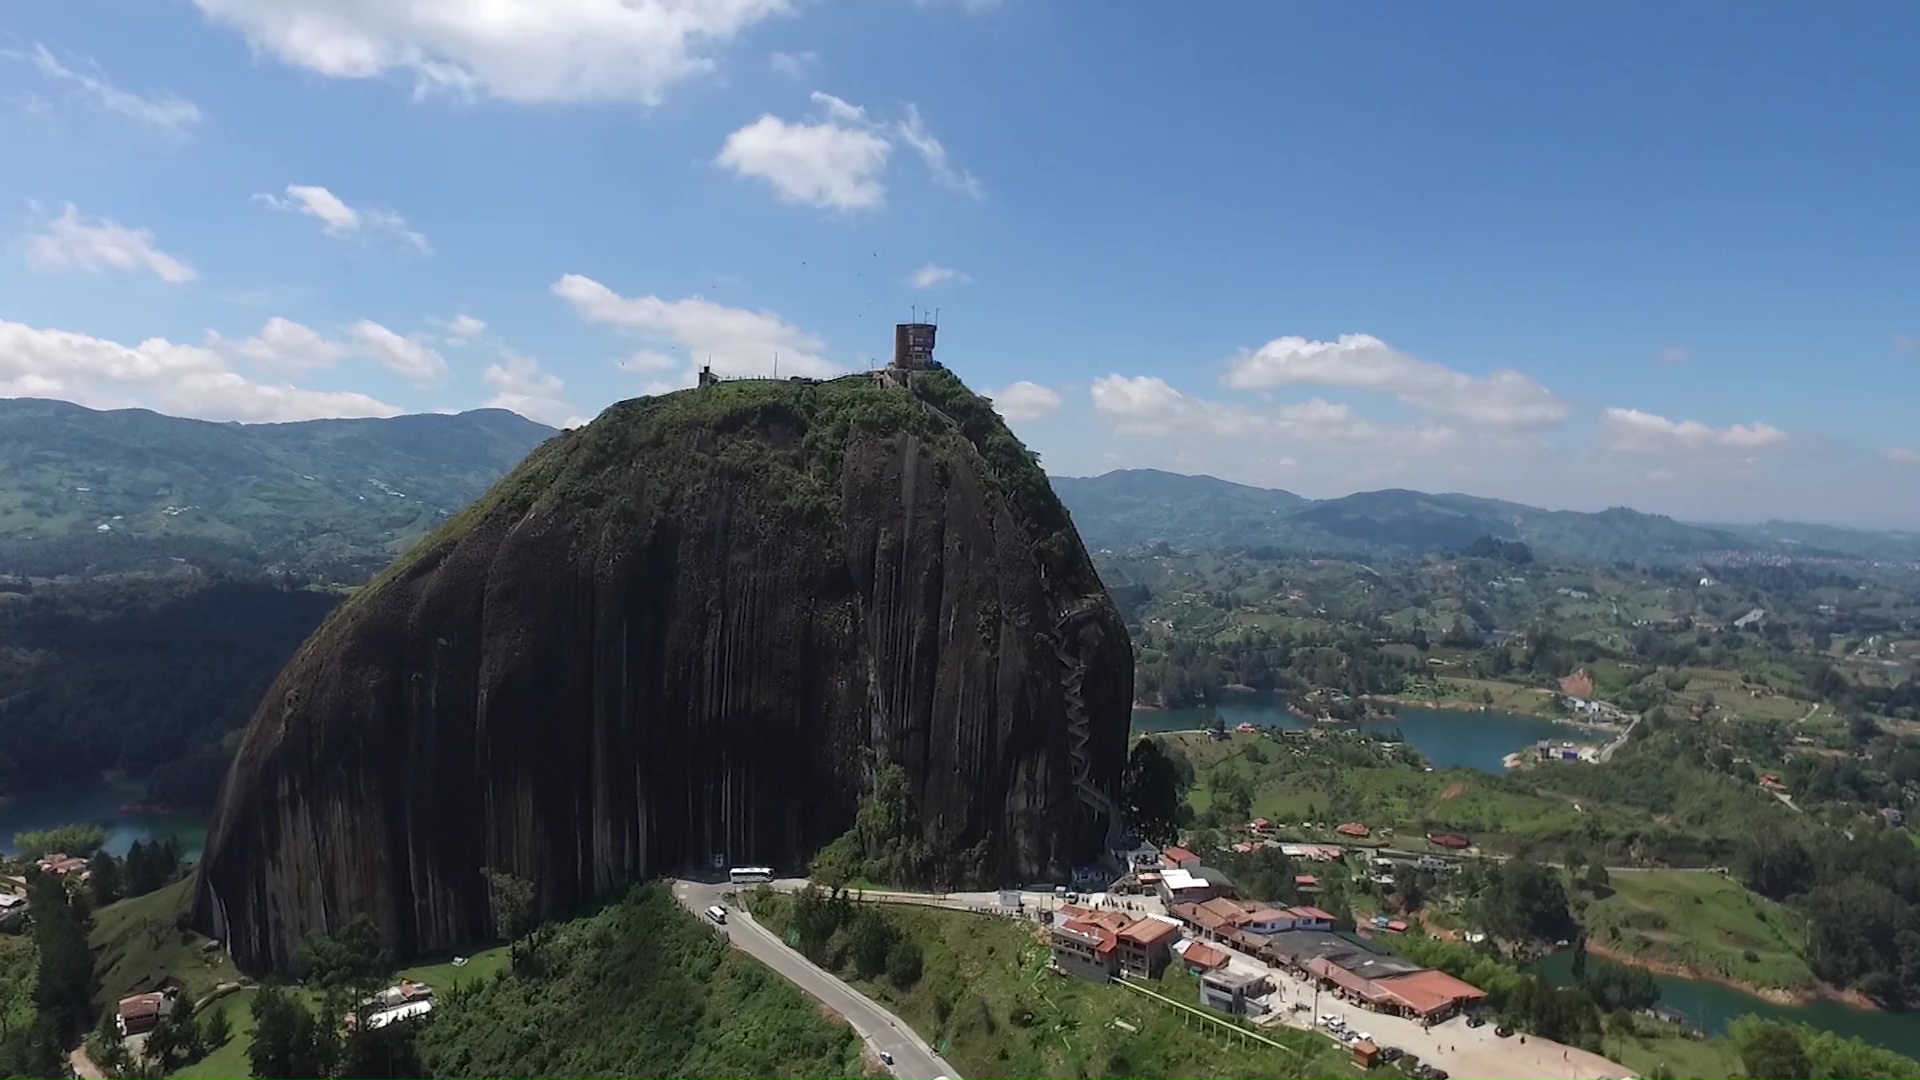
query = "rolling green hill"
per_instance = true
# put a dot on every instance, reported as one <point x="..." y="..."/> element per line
<point x="87" y="492"/>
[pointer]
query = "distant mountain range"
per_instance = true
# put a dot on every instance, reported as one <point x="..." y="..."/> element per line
<point x="86" y="492"/>
<point x="1132" y="507"/>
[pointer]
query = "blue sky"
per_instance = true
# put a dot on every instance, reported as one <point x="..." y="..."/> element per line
<point x="1576" y="255"/>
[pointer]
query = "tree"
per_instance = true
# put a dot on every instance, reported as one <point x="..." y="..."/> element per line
<point x="103" y="877"/>
<point x="65" y="982"/>
<point x="1774" y="864"/>
<point x="510" y="900"/>
<point x="1150" y="792"/>
<point x="176" y="1040"/>
<point x="1597" y="881"/>
<point x="1774" y="1052"/>
<point x="903" y="963"/>
<point x="872" y="938"/>
<point x="217" y="1030"/>
<point x="288" y="1043"/>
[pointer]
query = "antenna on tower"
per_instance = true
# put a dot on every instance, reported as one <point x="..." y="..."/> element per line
<point x="776" y="363"/>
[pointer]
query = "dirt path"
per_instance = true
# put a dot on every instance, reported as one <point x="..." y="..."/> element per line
<point x="83" y="1066"/>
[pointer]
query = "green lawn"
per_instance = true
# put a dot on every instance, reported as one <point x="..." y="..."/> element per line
<point x="137" y="942"/>
<point x="228" y="1060"/>
<point x="1454" y="690"/>
<point x="1706" y="922"/>
<point x="1698" y="1059"/>
<point x="444" y="975"/>
<point x="987" y="1002"/>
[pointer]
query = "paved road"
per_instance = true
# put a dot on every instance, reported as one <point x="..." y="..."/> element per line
<point x="882" y="1030"/>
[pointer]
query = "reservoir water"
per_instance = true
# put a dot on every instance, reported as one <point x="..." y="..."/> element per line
<point x="98" y="803"/>
<point x="1711" y="1007"/>
<point x="1451" y="739"/>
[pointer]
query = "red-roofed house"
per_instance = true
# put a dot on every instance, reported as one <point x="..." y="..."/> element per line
<point x="1178" y="858"/>
<point x="1201" y="957"/>
<point x="1146" y="945"/>
<point x="1311" y="918"/>
<point x="1306" y="883"/>
<point x="1086" y="950"/>
<point x="1260" y="824"/>
<point x="1353" y="828"/>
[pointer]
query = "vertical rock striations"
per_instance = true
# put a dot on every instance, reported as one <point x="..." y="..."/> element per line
<point x="693" y="629"/>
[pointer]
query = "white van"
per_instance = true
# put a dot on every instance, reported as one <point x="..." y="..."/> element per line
<point x="718" y="914"/>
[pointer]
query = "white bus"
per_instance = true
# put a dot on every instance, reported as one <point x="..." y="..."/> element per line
<point x="718" y="914"/>
<point x="749" y="875"/>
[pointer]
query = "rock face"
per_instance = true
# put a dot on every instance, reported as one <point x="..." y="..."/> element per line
<point x="693" y="630"/>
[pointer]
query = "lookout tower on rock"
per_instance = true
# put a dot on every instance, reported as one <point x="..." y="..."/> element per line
<point x="913" y="346"/>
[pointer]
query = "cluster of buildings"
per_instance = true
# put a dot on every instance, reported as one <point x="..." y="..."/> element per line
<point x="1234" y="945"/>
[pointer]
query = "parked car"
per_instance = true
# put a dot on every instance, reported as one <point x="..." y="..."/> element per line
<point x="1503" y="1031"/>
<point x="886" y="1057"/>
<point x="1476" y="1021"/>
<point x="1390" y="1053"/>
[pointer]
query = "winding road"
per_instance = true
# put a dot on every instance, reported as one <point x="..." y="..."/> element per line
<point x="882" y="1031"/>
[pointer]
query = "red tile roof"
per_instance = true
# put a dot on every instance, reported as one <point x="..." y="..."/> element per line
<point x="1149" y="931"/>
<point x="1312" y="913"/>
<point x="1177" y="855"/>
<point x="1353" y="828"/>
<point x="1305" y="879"/>
<point x="1201" y="955"/>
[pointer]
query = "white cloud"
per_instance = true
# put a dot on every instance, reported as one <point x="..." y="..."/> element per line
<point x="833" y="163"/>
<point x="913" y="130"/>
<point x="339" y="219"/>
<point x="794" y="65"/>
<point x="517" y="50"/>
<point x="167" y="112"/>
<point x="1633" y="430"/>
<point x="462" y="329"/>
<point x="1025" y="401"/>
<point x="734" y="340"/>
<point x="1148" y="405"/>
<point x="1675" y="355"/>
<point x="406" y="357"/>
<point x="184" y="380"/>
<point x="1504" y="399"/>
<point x="836" y="160"/>
<point x="70" y="242"/>
<point x="288" y="346"/>
<point x="931" y="276"/>
<point x="1906" y="343"/>
<point x="519" y="385"/>
<point x="1900" y="455"/>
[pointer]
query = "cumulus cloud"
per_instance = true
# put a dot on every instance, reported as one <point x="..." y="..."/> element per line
<point x="834" y="162"/>
<point x="184" y="380"/>
<point x="339" y="219"/>
<point x="462" y="329"/>
<point x="288" y="346"/>
<point x="406" y="357"/>
<point x="1906" y="343"/>
<point x="971" y="7"/>
<point x="520" y="386"/>
<point x="836" y="159"/>
<point x="1635" y="431"/>
<point x="1148" y="405"/>
<point x="1505" y="399"/>
<point x="1900" y="455"/>
<point x="73" y="243"/>
<point x="1675" y="355"/>
<point x="165" y="112"/>
<point x="1023" y="401"/>
<point x="931" y="276"/>
<point x="794" y="65"/>
<point x="529" y="51"/>
<point x="734" y="340"/>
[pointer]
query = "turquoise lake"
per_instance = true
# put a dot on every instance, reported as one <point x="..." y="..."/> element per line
<point x="1449" y="739"/>
<point x="99" y="804"/>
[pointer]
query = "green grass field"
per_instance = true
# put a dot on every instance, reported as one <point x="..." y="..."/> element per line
<point x="137" y="942"/>
<point x="987" y="1002"/>
<point x="1705" y="922"/>
<point x="1456" y="690"/>
<point x="1681" y="1054"/>
<point x="229" y="1059"/>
